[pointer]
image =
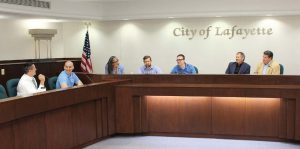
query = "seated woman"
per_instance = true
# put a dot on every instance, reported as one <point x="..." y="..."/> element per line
<point x="113" y="66"/>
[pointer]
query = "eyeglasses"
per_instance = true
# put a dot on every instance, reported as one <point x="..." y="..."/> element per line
<point x="179" y="60"/>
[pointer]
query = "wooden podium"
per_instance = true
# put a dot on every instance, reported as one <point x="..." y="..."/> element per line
<point x="218" y="106"/>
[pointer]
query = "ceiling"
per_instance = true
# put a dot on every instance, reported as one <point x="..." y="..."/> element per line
<point x="94" y="0"/>
<point x="157" y="9"/>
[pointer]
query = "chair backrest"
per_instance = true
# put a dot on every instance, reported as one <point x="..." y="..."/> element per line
<point x="11" y="86"/>
<point x="2" y="92"/>
<point x="196" y="69"/>
<point x="281" y="68"/>
<point x="52" y="82"/>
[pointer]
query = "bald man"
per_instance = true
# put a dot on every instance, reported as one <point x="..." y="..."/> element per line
<point x="67" y="78"/>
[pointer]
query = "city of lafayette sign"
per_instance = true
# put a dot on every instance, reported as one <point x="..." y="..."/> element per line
<point x="233" y="32"/>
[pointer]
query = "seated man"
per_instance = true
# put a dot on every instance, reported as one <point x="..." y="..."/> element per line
<point x="148" y="68"/>
<point x="67" y="78"/>
<point x="239" y="66"/>
<point x="268" y="66"/>
<point x="27" y="84"/>
<point x="182" y="67"/>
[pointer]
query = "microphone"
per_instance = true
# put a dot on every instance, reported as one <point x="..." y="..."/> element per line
<point x="91" y="81"/>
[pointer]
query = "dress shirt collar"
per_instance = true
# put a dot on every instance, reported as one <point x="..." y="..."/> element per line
<point x="185" y="64"/>
<point x="67" y="73"/>
<point x="145" y="68"/>
<point x="27" y="77"/>
<point x="269" y="64"/>
<point x="237" y="64"/>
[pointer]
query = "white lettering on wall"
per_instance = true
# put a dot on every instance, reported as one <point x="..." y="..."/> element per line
<point x="230" y="33"/>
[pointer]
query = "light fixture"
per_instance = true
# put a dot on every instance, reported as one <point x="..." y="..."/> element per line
<point x="3" y="17"/>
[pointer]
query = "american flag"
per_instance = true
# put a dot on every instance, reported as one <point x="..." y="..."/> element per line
<point x="86" y="63"/>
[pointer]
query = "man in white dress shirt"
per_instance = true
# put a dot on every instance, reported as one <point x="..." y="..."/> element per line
<point x="27" y="84"/>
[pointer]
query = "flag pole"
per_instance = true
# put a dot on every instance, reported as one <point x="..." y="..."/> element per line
<point x="87" y="24"/>
<point x="86" y="63"/>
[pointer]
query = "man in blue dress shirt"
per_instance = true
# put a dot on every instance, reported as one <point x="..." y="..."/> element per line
<point x="182" y="67"/>
<point x="67" y="78"/>
<point x="148" y="68"/>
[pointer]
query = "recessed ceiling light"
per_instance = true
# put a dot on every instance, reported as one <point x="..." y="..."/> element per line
<point x="218" y="16"/>
<point x="269" y="15"/>
<point x="171" y="17"/>
<point x="3" y="17"/>
<point x="125" y="19"/>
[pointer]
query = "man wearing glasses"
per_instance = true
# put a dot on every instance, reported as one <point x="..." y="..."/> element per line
<point x="182" y="67"/>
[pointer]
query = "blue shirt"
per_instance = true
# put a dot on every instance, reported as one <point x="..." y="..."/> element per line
<point x="70" y="80"/>
<point x="119" y="71"/>
<point x="189" y="69"/>
<point x="149" y="70"/>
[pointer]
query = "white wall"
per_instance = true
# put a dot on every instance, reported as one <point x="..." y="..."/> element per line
<point x="131" y="40"/>
<point x="17" y="43"/>
<point x="140" y="9"/>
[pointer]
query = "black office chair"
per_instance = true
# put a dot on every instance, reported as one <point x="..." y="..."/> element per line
<point x="2" y="92"/>
<point x="281" y="69"/>
<point x="11" y="86"/>
<point x="196" y="69"/>
<point x="52" y="82"/>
